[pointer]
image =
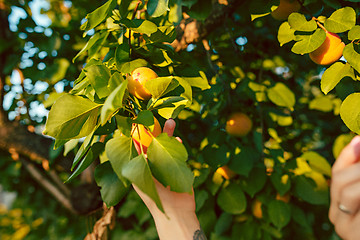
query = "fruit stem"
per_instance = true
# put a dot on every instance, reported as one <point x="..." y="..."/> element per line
<point x="319" y="24"/>
<point x="141" y="147"/>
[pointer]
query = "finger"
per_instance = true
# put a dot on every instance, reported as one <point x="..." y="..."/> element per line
<point x="350" y="197"/>
<point x="342" y="225"/>
<point x="340" y="181"/>
<point x="349" y="155"/>
<point x="169" y="127"/>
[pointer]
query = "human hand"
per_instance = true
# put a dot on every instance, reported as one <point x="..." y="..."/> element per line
<point x="179" y="220"/>
<point x="345" y="192"/>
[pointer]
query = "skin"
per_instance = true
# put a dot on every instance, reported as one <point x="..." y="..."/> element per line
<point x="179" y="221"/>
<point x="330" y="51"/>
<point x="345" y="189"/>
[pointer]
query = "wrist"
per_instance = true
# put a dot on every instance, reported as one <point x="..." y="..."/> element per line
<point x="176" y="224"/>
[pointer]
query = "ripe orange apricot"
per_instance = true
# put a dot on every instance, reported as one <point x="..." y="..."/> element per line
<point x="143" y="136"/>
<point x="256" y="209"/>
<point x="330" y="51"/>
<point x="137" y="80"/>
<point x="285" y="8"/>
<point x="238" y="124"/>
<point x="226" y="172"/>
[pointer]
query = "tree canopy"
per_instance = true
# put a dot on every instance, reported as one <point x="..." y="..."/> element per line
<point x="287" y="70"/>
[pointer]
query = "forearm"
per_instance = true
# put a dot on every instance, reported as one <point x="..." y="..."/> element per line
<point x="178" y="226"/>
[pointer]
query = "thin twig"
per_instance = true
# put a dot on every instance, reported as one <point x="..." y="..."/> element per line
<point x="45" y="183"/>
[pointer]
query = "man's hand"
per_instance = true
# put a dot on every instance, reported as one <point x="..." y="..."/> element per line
<point x="179" y="221"/>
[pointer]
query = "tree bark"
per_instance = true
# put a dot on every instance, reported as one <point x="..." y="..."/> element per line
<point x="192" y="31"/>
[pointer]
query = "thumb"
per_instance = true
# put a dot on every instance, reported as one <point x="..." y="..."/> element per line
<point x="169" y="127"/>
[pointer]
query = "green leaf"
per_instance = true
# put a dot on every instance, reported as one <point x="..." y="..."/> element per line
<point x="174" y="110"/>
<point x="112" y="189"/>
<point x="93" y="45"/>
<point x="99" y="15"/>
<point x="58" y="69"/>
<point x="187" y="88"/>
<point x="281" y="183"/>
<point x="352" y="56"/>
<point x="243" y="162"/>
<point x="317" y="162"/>
<point x="166" y="102"/>
<point x="163" y="34"/>
<point x="119" y="151"/>
<point x="145" y="118"/>
<point x="232" y="199"/>
<point x="71" y="117"/>
<point x="115" y="80"/>
<point x="128" y="67"/>
<point x="298" y="22"/>
<point x="199" y="82"/>
<point x="285" y="34"/>
<point x="281" y="95"/>
<point x="70" y="145"/>
<point x="341" y="20"/>
<point x="334" y="74"/>
<point x="350" y="112"/>
<point x="279" y="213"/>
<point x="340" y="142"/>
<point x="160" y="86"/>
<point x="175" y="14"/>
<point x="140" y="25"/>
<point x="113" y="102"/>
<point x="156" y="8"/>
<point x="223" y="223"/>
<point x="138" y="172"/>
<point x="308" y="43"/>
<point x="53" y="96"/>
<point x="216" y="156"/>
<point x="255" y="182"/>
<point x="306" y="189"/>
<point x="122" y="53"/>
<point x="99" y="76"/>
<point x="321" y="103"/>
<point x="354" y="33"/>
<point x="167" y="159"/>
<point x="91" y="155"/>
<point x="124" y="124"/>
<point x="88" y="141"/>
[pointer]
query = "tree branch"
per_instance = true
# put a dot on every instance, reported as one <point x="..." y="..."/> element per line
<point x="191" y="30"/>
<point x="44" y="182"/>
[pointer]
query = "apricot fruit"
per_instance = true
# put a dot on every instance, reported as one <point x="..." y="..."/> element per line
<point x="238" y="124"/>
<point x="285" y="8"/>
<point x="137" y="80"/>
<point x="330" y="50"/>
<point x="143" y="136"/>
<point x="226" y="172"/>
<point x="256" y="209"/>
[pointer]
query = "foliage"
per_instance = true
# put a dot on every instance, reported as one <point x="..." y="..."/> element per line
<point x="254" y="64"/>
